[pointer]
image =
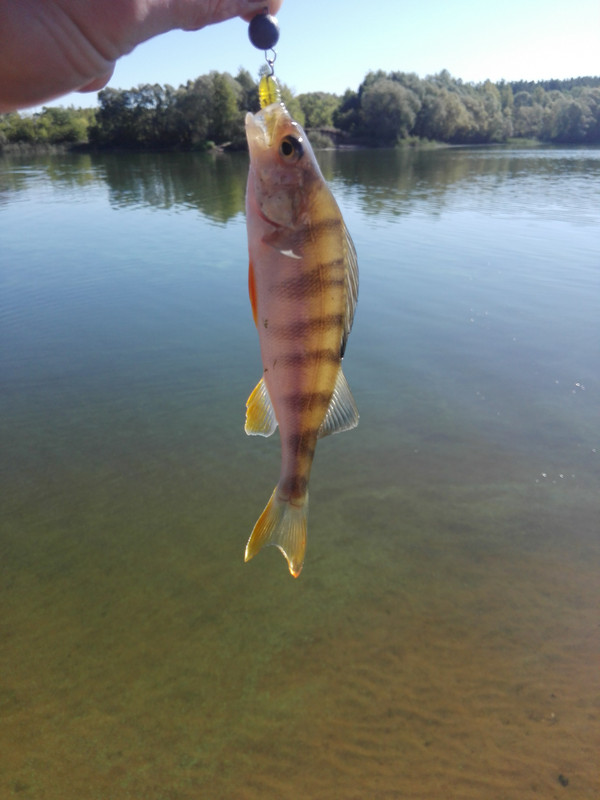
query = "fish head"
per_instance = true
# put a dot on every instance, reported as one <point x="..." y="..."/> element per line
<point x="283" y="168"/>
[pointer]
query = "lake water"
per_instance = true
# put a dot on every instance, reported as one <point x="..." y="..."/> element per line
<point x="443" y="640"/>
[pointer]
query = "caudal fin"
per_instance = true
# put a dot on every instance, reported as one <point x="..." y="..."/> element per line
<point x="283" y="525"/>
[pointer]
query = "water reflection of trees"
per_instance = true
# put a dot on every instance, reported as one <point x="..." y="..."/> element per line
<point x="393" y="182"/>
<point x="397" y="181"/>
<point x="214" y="184"/>
<point x="18" y="171"/>
<point x="390" y="182"/>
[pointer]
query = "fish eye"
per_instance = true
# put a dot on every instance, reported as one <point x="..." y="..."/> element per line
<point x="291" y="148"/>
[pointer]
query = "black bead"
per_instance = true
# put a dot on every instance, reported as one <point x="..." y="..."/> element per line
<point x="263" y="31"/>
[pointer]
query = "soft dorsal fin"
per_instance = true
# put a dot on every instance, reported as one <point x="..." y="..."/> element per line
<point x="260" y="415"/>
<point x="252" y="292"/>
<point x="351" y="280"/>
<point x="342" y="414"/>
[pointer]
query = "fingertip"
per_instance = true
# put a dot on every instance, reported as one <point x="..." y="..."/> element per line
<point x="261" y="6"/>
<point x="97" y="83"/>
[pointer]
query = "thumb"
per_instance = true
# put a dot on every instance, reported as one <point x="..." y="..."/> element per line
<point x="191" y="15"/>
<point x="97" y="83"/>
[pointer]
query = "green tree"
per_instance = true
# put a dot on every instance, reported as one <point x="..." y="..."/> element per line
<point x="62" y="125"/>
<point x="389" y="110"/>
<point x="506" y="97"/>
<point x="292" y="104"/>
<point x="571" y="120"/>
<point x="21" y="129"/>
<point x="193" y="108"/>
<point x="496" y="124"/>
<point x="347" y="116"/>
<point x="113" y="119"/>
<point x="248" y="99"/>
<point x="592" y="96"/>
<point x="225" y="120"/>
<point x="319" y="108"/>
<point x="443" y="116"/>
<point x="410" y="81"/>
<point x="528" y="120"/>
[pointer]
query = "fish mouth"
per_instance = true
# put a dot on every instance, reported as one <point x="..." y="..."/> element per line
<point x="255" y="129"/>
<point x="260" y="127"/>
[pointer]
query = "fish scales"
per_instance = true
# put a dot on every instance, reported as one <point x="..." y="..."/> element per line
<point x="303" y="284"/>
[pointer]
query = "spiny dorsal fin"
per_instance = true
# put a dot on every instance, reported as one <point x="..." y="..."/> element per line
<point x="260" y="415"/>
<point x="342" y="414"/>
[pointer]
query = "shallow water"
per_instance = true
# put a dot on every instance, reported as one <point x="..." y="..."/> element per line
<point x="443" y="638"/>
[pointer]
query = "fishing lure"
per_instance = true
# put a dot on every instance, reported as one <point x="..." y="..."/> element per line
<point x="263" y="32"/>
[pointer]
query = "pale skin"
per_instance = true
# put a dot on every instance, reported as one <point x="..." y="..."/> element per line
<point x="49" y="48"/>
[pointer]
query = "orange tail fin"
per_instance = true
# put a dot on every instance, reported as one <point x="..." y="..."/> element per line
<point x="283" y="525"/>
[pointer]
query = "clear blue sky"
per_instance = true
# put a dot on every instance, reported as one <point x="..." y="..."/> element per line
<point x="330" y="45"/>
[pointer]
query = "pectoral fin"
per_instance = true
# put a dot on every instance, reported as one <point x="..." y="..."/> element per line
<point x="342" y="413"/>
<point x="260" y="414"/>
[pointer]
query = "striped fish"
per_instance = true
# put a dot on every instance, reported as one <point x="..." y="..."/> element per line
<point x="303" y="284"/>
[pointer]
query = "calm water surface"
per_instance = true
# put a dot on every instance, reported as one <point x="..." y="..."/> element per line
<point x="443" y="639"/>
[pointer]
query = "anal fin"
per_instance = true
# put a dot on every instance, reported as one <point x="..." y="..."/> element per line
<point x="342" y="413"/>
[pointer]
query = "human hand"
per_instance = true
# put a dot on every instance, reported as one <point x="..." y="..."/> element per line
<point x="51" y="47"/>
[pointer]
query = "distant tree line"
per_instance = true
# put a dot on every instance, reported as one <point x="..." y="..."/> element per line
<point x="49" y="126"/>
<point x="205" y="112"/>
<point x="390" y="107"/>
<point x="387" y="109"/>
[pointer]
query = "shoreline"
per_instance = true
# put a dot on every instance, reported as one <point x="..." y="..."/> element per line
<point x="42" y="148"/>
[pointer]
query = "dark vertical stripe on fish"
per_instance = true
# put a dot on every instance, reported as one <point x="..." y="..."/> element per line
<point x="312" y="231"/>
<point x="299" y="329"/>
<point x="293" y="487"/>
<point x="311" y="283"/>
<point x="300" y="401"/>
<point x="323" y="226"/>
<point x="303" y="443"/>
<point x="304" y="358"/>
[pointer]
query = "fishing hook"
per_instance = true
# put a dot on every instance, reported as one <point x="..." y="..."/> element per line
<point x="271" y="61"/>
